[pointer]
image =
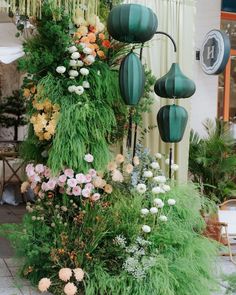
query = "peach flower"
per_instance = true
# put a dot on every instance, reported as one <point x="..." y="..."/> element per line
<point x="117" y="176"/>
<point x="120" y="158"/>
<point x="79" y="274"/>
<point x="70" y="289"/>
<point x="101" y="54"/>
<point x="136" y="161"/>
<point x="108" y="188"/>
<point x="44" y="284"/>
<point x="65" y="274"/>
<point x="129" y="168"/>
<point x="101" y="36"/>
<point x="92" y="37"/>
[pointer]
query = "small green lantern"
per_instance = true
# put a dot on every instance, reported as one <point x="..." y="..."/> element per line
<point x="174" y="84"/>
<point x="172" y="121"/>
<point x="131" y="79"/>
<point x="132" y="23"/>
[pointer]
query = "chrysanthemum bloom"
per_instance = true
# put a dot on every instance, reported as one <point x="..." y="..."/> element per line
<point x="79" y="274"/>
<point x="141" y="188"/>
<point x="129" y="168"/>
<point x="155" y="165"/>
<point x="146" y="228"/>
<point x="108" y="189"/>
<point x="120" y="158"/>
<point x="70" y="289"/>
<point x="171" y="202"/>
<point x="65" y="274"/>
<point x="163" y="218"/>
<point x="144" y="211"/>
<point x="44" y="284"/>
<point x="148" y="174"/>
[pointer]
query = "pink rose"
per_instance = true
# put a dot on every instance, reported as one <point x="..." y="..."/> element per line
<point x="39" y="168"/>
<point x="89" y="186"/>
<point x="96" y="197"/>
<point x="86" y="193"/>
<point x="30" y="171"/>
<point x="80" y="178"/>
<point x="69" y="173"/>
<point x="88" y="158"/>
<point x="72" y="182"/>
<point x="29" y="167"/>
<point x="44" y="186"/>
<point x="47" y="172"/>
<point x="76" y="191"/>
<point x="93" y="172"/>
<point x="88" y="178"/>
<point x="62" y="178"/>
<point x="51" y="184"/>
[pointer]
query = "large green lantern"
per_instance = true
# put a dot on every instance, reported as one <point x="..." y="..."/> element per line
<point x="172" y="121"/>
<point x="131" y="79"/>
<point x="174" y="84"/>
<point x="132" y="23"/>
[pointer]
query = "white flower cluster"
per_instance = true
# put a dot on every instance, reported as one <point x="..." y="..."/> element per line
<point x="77" y="68"/>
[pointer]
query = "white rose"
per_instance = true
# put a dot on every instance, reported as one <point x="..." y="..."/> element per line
<point x="72" y="63"/>
<point x="144" y="211"/>
<point x="155" y="165"/>
<point x="148" y="174"/>
<point x="160" y="179"/>
<point x="174" y="167"/>
<point x="86" y="84"/>
<point x="72" y="88"/>
<point x="73" y="73"/>
<point x="75" y="55"/>
<point x="166" y="187"/>
<point x="163" y="218"/>
<point x="146" y="228"/>
<point x="141" y="188"/>
<point x="87" y="50"/>
<point x="159" y="203"/>
<point x="153" y="210"/>
<point x="79" y="63"/>
<point x="84" y="71"/>
<point x="171" y="202"/>
<point x="79" y="90"/>
<point x="158" y="155"/>
<point x="156" y="190"/>
<point x="60" y="70"/>
<point x="167" y="161"/>
<point x="72" y="49"/>
<point x="89" y="59"/>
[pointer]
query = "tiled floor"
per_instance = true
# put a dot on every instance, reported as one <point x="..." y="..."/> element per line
<point x="10" y="284"/>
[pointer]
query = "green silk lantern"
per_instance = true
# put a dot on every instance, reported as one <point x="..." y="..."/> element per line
<point x="131" y="79"/>
<point x="172" y="121"/>
<point x="174" y="84"/>
<point x="132" y="23"/>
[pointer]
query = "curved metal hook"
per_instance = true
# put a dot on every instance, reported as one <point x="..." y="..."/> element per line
<point x="172" y="40"/>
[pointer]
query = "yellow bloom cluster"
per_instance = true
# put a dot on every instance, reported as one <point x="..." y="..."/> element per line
<point x="45" y="120"/>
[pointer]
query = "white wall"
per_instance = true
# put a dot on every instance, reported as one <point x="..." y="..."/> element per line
<point x="204" y="101"/>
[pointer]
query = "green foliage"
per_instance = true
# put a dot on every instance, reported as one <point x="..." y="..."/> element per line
<point x="12" y="112"/>
<point x="212" y="161"/>
<point x="231" y="283"/>
<point x="184" y="258"/>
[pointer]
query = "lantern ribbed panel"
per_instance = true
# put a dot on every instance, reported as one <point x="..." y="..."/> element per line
<point x="131" y="79"/>
<point x="132" y="23"/>
<point x="172" y="121"/>
<point x="174" y="84"/>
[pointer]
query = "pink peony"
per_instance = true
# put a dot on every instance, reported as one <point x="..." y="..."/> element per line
<point x="51" y="184"/>
<point x="29" y="170"/>
<point x="70" y="289"/>
<point x="86" y="193"/>
<point x="65" y="274"/>
<point x="88" y="178"/>
<point x="117" y="176"/>
<point x="80" y="178"/>
<point x="72" y="182"/>
<point x="47" y="172"/>
<point x="44" y="284"/>
<point x="39" y="168"/>
<point x="88" y="158"/>
<point x="79" y="274"/>
<point x="89" y="186"/>
<point x="93" y="172"/>
<point x="76" y="191"/>
<point x="62" y="178"/>
<point x="69" y="173"/>
<point x="95" y="197"/>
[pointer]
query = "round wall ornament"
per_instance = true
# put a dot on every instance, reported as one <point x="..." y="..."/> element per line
<point x="215" y="52"/>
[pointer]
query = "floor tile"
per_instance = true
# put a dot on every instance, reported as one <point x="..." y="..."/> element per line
<point x="11" y="291"/>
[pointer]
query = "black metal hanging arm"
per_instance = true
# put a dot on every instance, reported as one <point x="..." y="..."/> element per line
<point x="172" y="40"/>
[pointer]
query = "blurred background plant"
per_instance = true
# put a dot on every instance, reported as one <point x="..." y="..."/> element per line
<point x="212" y="161"/>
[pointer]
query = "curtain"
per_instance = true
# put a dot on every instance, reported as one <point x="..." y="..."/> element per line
<point x="175" y="17"/>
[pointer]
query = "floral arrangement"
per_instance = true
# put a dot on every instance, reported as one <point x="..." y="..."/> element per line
<point x="45" y="120"/>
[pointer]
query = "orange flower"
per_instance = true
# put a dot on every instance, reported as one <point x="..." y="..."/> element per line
<point x="108" y="188"/>
<point x="101" y="36"/>
<point x="92" y="37"/>
<point x="84" y="40"/>
<point x="26" y="93"/>
<point x="101" y="54"/>
<point x="106" y="43"/>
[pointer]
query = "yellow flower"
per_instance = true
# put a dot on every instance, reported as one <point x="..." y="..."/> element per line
<point x="47" y="105"/>
<point x="108" y="188"/>
<point x="26" y="93"/>
<point x="38" y="106"/>
<point x="47" y="135"/>
<point x="50" y="128"/>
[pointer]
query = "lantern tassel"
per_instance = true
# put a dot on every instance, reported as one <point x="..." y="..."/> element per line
<point x="170" y="162"/>
<point x="129" y="136"/>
